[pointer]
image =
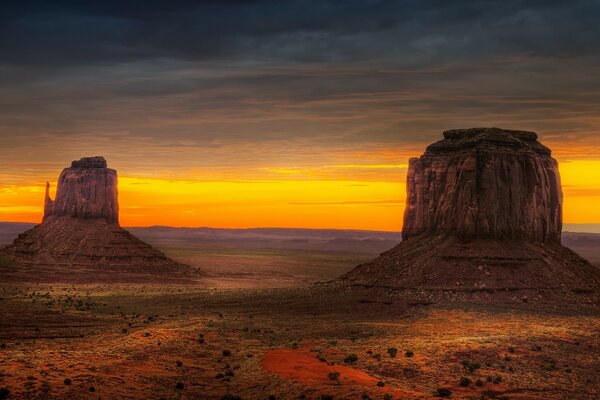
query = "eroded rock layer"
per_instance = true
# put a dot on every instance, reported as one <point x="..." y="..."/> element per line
<point x="485" y="183"/>
<point x="484" y="218"/>
<point x="80" y="238"/>
<point x="88" y="189"/>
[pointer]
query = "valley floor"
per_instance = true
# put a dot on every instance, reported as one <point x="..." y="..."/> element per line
<point x="144" y="342"/>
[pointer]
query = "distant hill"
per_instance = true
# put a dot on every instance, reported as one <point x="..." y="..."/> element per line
<point x="359" y="241"/>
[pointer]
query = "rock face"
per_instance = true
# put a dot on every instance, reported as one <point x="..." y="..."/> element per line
<point x="88" y="189"/>
<point x="483" y="219"/>
<point x="80" y="239"/>
<point x="485" y="183"/>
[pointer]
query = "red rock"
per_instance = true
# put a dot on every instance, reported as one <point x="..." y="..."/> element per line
<point x="483" y="221"/>
<point x="80" y="239"/>
<point x="485" y="183"/>
<point x="88" y="189"/>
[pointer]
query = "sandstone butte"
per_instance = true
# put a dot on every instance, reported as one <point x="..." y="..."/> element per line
<point x="483" y="219"/>
<point x="80" y="239"/>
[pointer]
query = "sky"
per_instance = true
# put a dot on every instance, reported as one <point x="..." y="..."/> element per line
<point x="286" y="113"/>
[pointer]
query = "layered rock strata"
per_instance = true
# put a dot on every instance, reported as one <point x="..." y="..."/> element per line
<point x="484" y="217"/>
<point x="80" y="238"/>
<point x="485" y="183"/>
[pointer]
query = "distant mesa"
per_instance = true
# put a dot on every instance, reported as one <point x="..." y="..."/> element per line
<point x="483" y="218"/>
<point x="80" y="237"/>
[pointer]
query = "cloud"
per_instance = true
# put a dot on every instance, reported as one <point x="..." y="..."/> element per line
<point x="235" y="87"/>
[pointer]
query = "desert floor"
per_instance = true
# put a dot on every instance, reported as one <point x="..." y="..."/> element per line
<point x="143" y="342"/>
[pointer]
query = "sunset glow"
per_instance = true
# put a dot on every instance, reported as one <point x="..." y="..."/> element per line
<point x="367" y="203"/>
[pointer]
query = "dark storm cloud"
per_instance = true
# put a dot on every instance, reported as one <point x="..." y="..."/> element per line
<point x="66" y="33"/>
<point x="291" y="82"/>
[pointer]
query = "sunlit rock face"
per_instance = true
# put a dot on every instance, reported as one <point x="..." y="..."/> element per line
<point x="87" y="189"/>
<point x="485" y="183"/>
<point x="80" y="240"/>
<point x="482" y="222"/>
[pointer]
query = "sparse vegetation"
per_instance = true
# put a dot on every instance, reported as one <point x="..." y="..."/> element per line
<point x="465" y="381"/>
<point x="409" y="353"/>
<point x="226" y="353"/>
<point x="67" y="381"/>
<point x="392" y="351"/>
<point x="443" y="392"/>
<point x="351" y="358"/>
<point x="4" y="392"/>
<point x="179" y="385"/>
<point x="334" y="376"/>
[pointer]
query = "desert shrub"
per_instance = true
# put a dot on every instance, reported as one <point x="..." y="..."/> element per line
<point x="444" y="392"/>
<point x="179" y="385"/>
<point x="464" y="381"/>
<point x="369" y="352"/>
<point x="470" y="366"/>
<point x="201" y="340"/>
<point x="497" y="379"/>
<point x="511" y="349"/>
<point x="67" y="381"/>
<point x="409" y="353"/>
<point x="92" y="389"/>
<point x="219" y="375"/>
<point x="479" y="382"/>
<point x="272" y="397"/>
<point x="179" y="363"/>
<point x="380" y="384"/>
<point x="294" y="345"/>
<point x="124" y="330"/>
<point x="392" y="351"/>
<point x="488" y="378"/>
<point x="351" y="358"/>
<point x="334" y="376"/>
<point x="226" y="353"/>
<point x="229" y="373"/>
<point x="388" y="396"/>
<point x="326" y="397"/>
<point x="4" y="392"/>
<point x="146" y="334"/>
<point x="231" y="397"/>
<point x="321" y="358"/>
<point x="536" y="348"/>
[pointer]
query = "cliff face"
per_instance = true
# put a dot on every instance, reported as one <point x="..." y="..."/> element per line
<point x="485" y="183"/>
<point x="482" y="222"/>
<point x="88" y="189"/>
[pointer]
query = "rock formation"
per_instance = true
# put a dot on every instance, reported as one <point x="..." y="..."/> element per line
<point x="483" y="216"/>
<point x="80" y="237"/>
<point x="485" y="183"/>
<point x="88" y="189"/>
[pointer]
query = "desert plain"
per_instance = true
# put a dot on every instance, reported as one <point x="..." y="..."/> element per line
<point x="240" y="335"/>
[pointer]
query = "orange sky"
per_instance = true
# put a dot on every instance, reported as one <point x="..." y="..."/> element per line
<point x="287" y="197"/>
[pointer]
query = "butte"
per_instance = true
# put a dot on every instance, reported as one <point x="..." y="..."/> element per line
<point x="80" y="239"/>
<point x="483" y="220"/>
